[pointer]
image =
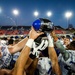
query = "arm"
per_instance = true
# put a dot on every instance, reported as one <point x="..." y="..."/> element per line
<point x="17" y="47"/>
<point x="64" y="53"/>
<point x="54" y="60"/>
<point x="58" y="44"/>
<point x="53" y="56"/>
<point x="20" y="63"/>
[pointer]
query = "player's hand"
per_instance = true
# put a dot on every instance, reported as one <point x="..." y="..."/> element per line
<point x="54" y="36"/>
<point x="33" y="34"/>
<point x="53" y="33"/>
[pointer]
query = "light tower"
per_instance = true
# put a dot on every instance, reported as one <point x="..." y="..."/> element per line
<point x="68" y="15"/>
<point x="16" y="13"/>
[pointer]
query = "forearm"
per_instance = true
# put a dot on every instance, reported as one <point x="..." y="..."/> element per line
<point x="17" y="47"/>
<point x="64" y="53"/>
<point x="60" y="47"/>
<point x="54" y="61"/>
<point x="20" y="63"/>
<point x="56" y="68"/>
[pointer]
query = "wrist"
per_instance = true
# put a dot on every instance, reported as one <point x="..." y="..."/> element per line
<point x="30" y="42"/>
<point x="32" y="37"/>
<point x="51" y="44"/>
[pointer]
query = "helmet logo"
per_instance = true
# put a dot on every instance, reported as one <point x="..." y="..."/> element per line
<point x="45" y="23"/>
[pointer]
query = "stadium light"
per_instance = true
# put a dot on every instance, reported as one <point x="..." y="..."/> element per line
<point x="36" y="13"/>
<point x="49" y="14"/>
<point x="68" y="15"/>
<point x="15" y="12"/>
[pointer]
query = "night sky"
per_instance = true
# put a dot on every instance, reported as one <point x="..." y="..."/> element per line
<point x="27" y="7"/>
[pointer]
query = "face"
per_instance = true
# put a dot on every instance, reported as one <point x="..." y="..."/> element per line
<point x="66" y="41"/>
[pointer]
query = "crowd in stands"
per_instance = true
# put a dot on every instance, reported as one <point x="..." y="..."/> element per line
<point x="13" y="30"/>
<point x="21" y="30"/>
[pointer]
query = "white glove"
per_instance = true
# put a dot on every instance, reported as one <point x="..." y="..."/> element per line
<point x="50" y="40"/>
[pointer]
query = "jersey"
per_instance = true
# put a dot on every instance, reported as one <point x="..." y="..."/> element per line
<point x="71" y="61"/>
<point x="44" y="66"/>
<point x="5" y="56"/>
<point x="16" y="55"/>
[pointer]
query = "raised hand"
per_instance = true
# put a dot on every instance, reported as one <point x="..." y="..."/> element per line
<point x="33" y="34"/>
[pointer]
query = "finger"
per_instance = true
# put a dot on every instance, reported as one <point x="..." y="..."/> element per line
<point x="32" y="28"/>
<point x="41" y="33"/>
